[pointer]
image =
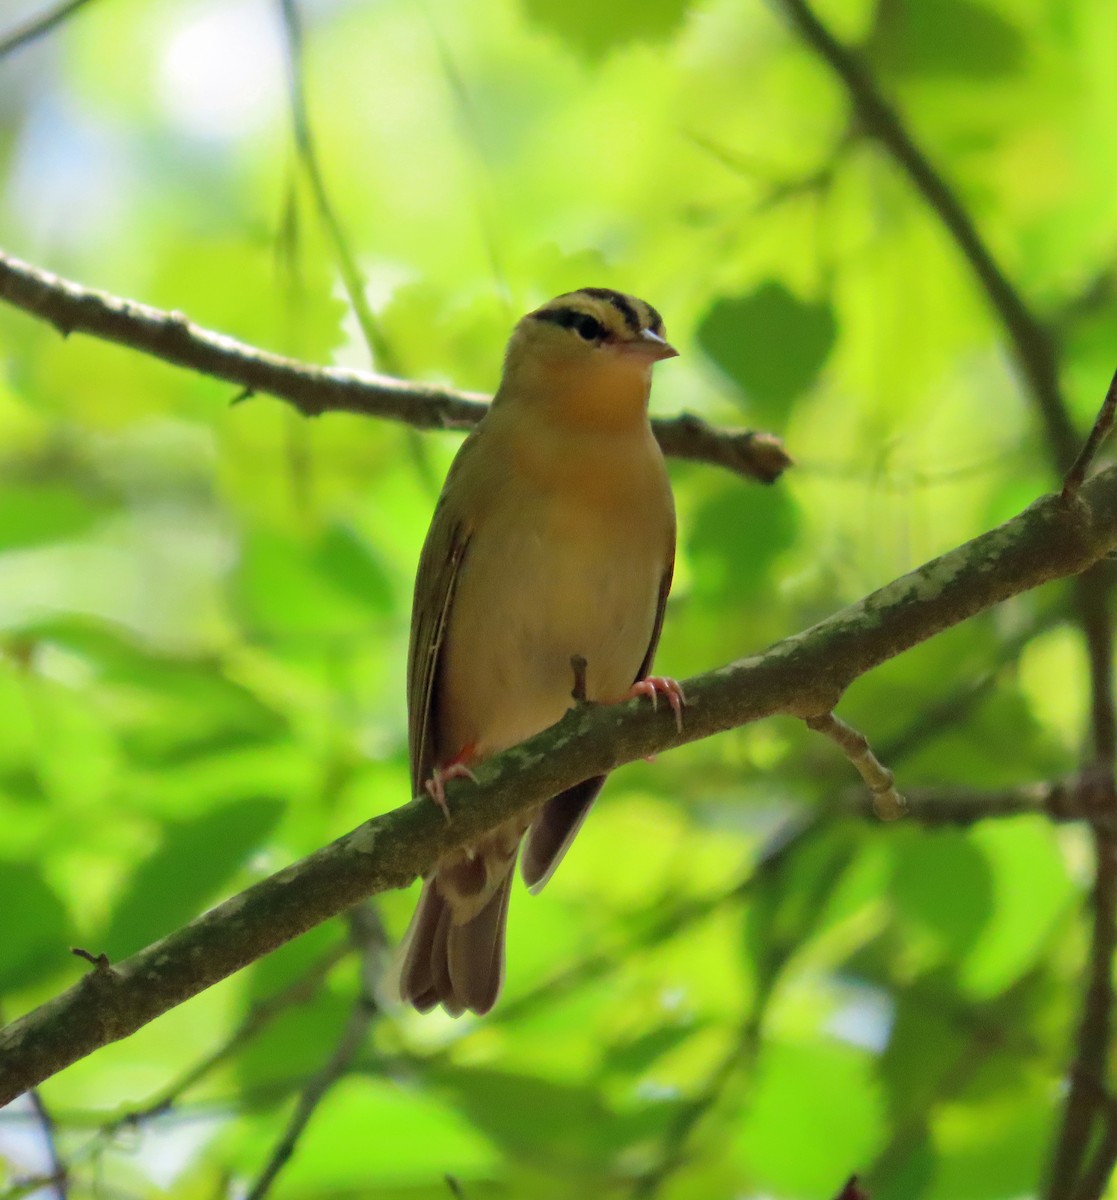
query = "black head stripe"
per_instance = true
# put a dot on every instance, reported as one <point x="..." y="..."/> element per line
<point x="619" y="301"/>
<point x="566" y="317"/>
<point x="656" y="320"/>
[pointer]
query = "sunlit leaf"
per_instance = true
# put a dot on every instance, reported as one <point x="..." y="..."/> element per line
<point x="838" y="1117"/>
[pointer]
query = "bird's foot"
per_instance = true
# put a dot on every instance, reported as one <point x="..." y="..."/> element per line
<point x="456" y="768"/>
<point x="655" y="686"/>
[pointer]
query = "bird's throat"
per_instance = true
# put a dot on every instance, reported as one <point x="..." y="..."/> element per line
<point x="611" y="397"/>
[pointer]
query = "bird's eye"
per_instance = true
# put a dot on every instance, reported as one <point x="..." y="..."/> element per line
<point x="589" y="327"/>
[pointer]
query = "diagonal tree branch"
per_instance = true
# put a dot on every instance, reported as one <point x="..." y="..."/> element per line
<point x="38" y="27"/>
<point x="300" y="991"/>
<point x="170" y="336"/>
<point x="801" y="676"/>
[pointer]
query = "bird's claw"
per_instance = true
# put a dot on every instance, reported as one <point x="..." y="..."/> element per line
<point x="656" y="685"/>
<point x="435" y="787"/>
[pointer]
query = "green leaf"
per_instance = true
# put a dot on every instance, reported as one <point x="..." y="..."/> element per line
<point x="348" y="561"/>
<point x="735" y="538"/>
<point x="319" y="589"/>
<point x="593" y="31"/>
<point x="167" y="707"/>
<point x="948" y="39"/>
<point x="638" y="1055"/>
<point x="815" y="1117"/>
<point x="790" y="897"/>
<point x="771" y="344"/>
<point x="37" y="933"/>
<point x="417" y="1138"/>
<point x="506" y="1108"/>
<point x="193" y="862"/>
<point x="1031" y="890"/>
<point x="950" y="917"/>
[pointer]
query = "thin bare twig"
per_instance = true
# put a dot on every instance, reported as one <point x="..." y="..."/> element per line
<point x="1074" y="477"/>
<point x="1032" y="346"/>
<point x="170" y="336"/>
<point x="673" y="1155"/>
<point x="299" y="991"/>
<point x="366" y="932"/>
<point x="351" y="275"/>
<point x="888" y="804"/>
<point x="1088" y="1096"/>
<point x="58" y="1171"/>
<point x="37" y="27"/>
<point x="1058" y="801"/>
<point x="1098" y="1172"/>
<point x="351" y="1040"/>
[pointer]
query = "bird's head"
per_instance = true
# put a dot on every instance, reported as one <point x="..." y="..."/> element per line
<point x="586" y="355"/>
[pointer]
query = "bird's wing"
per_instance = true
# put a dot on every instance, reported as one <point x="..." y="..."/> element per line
<point x="561" y="817"/>
<point x="657" y="626"/>
<point x="440" y="566"/>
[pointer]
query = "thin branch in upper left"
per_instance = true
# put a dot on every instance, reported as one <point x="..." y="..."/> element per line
<point x="305" y="146"/>
<point x="38" y="27"/>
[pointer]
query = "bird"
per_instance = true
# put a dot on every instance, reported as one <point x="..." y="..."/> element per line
<point x="544" y="573"/>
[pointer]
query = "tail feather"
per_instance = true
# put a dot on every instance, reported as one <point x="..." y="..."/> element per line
<point x="416" y="979"/>
<point x="460" y="966"/>
<point x="453" y="951"/>
<point x="554" y="829"/>
<point x="475" y="952"/>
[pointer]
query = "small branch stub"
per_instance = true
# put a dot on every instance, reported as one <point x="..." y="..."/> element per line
<point x="100" y="962"/>
<point x="578" y="665"/>
<point x="888" y="804"/>
<point x="1075" y="477"/>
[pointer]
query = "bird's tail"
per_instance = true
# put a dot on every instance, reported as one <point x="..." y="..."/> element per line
<point x="453" y="962"/>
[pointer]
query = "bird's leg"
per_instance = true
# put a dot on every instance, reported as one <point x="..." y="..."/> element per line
<point x="656" y="685"/>
<point x="456" y="768"/>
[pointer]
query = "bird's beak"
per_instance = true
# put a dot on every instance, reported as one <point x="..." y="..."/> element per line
<point x="651" y="346"/>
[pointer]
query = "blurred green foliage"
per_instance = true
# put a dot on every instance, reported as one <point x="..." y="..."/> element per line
<point x="729" y="990"/>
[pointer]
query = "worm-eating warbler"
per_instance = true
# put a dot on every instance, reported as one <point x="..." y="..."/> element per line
<point x="554" y="537"/>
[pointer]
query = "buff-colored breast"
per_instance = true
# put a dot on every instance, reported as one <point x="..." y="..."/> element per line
<point x="566" y="558"/>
